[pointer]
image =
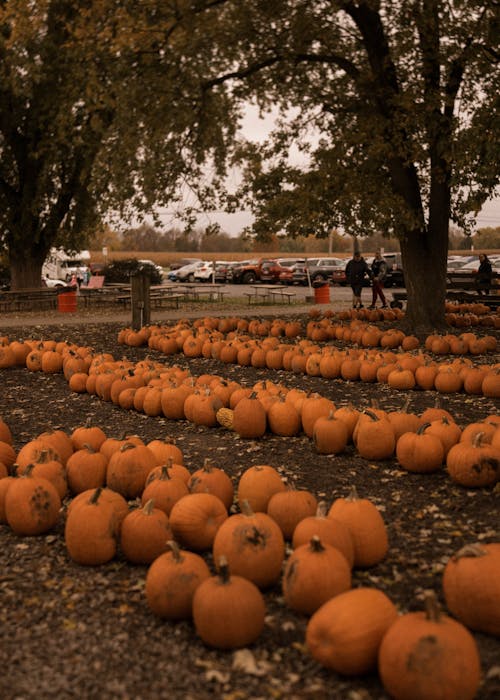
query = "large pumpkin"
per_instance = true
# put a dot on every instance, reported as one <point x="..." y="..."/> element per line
<point x="429" y="656"/>
<point x="345" y="633"/>
<point x="471" y="586"/>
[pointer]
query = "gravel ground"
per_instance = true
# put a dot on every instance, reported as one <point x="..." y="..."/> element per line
<point x="69" y="631"/>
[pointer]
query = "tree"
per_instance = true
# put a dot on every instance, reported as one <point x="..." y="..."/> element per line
<point x="486" y="238"/>
<point x="102" y="109"/>
<point x="403" y="98"/>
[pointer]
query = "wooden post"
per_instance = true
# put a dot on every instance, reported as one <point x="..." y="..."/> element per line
<point x="140" y="302"/>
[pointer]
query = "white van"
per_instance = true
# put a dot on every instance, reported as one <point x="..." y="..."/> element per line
<point x="61" y="265"/>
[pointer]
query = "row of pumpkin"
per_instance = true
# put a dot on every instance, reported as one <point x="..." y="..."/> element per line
<point x="402" y="370"/>
<point x="351" y="631"/>
<point x="420" y="443"/>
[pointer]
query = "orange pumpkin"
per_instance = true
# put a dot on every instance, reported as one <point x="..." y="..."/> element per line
<point x="471" y="586"/>
<point x="429" y="655"/>
<point x="345" y="634"/>
<point x="314" y="573"/>
<point x="228" y="611"/>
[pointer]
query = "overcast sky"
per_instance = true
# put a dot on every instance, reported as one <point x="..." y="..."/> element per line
<point x="256" y="129"/>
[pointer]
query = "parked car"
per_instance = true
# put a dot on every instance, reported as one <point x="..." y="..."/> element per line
<point x="300" y="273"/>
<point x="322" y="270"/>
<point x="152" y="265"/>
<point x="286" y="275"/>
<point x="271" y="270"/>
<point x="395" y="276"/>
<point x="182" y="262"/>
<point x="208" y="271"/>
<point x="185" y="273"/>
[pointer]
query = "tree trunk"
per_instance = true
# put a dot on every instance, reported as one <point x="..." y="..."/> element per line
<point x="26" y="267"/>
<point x="424" y="255"/>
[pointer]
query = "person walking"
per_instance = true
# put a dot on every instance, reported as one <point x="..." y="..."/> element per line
<point x="379" y="269"/>
<point x="356" y="270"/>
<point x="484" y="274"/>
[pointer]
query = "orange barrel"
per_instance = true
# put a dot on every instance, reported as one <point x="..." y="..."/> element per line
<point x="322" y="294"/>
<point x="66" y="302"/>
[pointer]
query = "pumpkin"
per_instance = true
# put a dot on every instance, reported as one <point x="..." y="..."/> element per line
<point x="366" y="525"/>
<point x="87" y="435"/>
<point x="474" y="464"/>
<point x="258" y="484"/>
<point x="374" y="436"/>
<point x="420" y="452"/>
<point x="5" y="433"/>
<point x="471" y="586"/>
<point x="144" y="534"/>
<point x="314" y="573"/>
<point x="283" y="418"/>
<point x="172" y="580"/>
<point x="50" y="469"/>
<point x="60" y="441"/>
<point x="93" y="524"/>
<point x="228" y="611"/>
<point x="211" y="479"/>
<point x="249" y="417"/>
<point x="30" y="453"/>
<point x="330" y="434"/>
<point x="345" y="633"/>
<point x="348" y="415"/>
<point x="128" y="469"/>
<point x="31" y="504"/>
<point x="403" y="421"/>
<point x="195" y="519"/>
<point x="5" y="482"/>
<point x="164" y="488"/>
<point x="430" y="656"/>
<point x="328" y="529"/>
<point x="253" y="545"/>
<point x="446" y="430"/>
<point x="86" y="469"/>
<point x="177" y="470"/>
<point x="313" y="407"/>
<point x="289" y="507"/>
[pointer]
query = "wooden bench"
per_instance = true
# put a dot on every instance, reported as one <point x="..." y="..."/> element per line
<point x="462" y="287"/>
<point x="34" y="299"/>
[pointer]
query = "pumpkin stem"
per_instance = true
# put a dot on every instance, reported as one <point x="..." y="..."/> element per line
<point x="478" y="439"/>
<point x="470" y="550"/>
<point x="315" y="544"/>
<point x="372" y="415"/>
<point x="353" y="494"/>
<point x="423" y="428"/>
<point x="127" y="446"/>
<point x="246" y="508"/>
<point x="28" y="469"/>
<point x="149" y="507"/>
<point x="322" y="509"/>
<point x="432" y="609"/>
<point x="176" y="552"/>
<point x="95" y="496"/>
<point x="207" y="467"/>
<point x="223" y="567"/>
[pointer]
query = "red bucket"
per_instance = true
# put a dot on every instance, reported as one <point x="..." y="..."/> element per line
<point x="322" y="294"/>
<point x="66" y="302"/>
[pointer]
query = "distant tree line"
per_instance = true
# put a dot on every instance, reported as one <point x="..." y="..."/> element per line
<point x="148" y="238"/>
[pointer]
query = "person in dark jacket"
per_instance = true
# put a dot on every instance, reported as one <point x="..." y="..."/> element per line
<point x="379" y="273"/>
<point x="484" y="274"/>
<point x="356" y="270"/>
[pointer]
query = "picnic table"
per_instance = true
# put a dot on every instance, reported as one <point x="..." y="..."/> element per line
<point x="267" y="293"/>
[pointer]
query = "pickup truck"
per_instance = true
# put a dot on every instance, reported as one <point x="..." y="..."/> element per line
<point x="250" y="271"/>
